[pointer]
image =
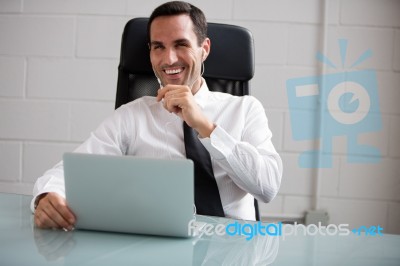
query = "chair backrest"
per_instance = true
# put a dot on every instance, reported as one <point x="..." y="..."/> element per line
<point x="228" y="68"/>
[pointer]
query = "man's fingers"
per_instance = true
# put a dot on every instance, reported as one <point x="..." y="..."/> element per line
<point x="174" y="101"/>
<point x="179" y="100"/>
<point x="42" y="220"/>
<point x="168" y="90"/>
<point x="53" y="212"/>
<point x="160" y="94"/>
<point x="174" y="105"/>
<point x="49" y="216"/>
<point x="60" y="205"/>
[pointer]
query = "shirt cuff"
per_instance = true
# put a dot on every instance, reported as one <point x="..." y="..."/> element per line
<point x="220" y="144"/>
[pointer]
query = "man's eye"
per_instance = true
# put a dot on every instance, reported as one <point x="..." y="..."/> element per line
<point x="182" y="44"/>
<point x="157" y="47"/>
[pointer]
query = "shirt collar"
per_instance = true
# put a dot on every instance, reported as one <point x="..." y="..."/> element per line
<point x="201" y="95"/>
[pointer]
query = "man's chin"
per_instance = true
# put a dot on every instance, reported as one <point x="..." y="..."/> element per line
<point x="174" y="82"/>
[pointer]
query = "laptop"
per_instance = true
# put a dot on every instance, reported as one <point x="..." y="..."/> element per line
<point x="130" y="194"/>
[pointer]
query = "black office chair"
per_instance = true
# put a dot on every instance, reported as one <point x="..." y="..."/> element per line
<point x="228" y="68"/>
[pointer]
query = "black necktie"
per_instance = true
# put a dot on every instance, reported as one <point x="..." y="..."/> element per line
<point x="206" y="193"/>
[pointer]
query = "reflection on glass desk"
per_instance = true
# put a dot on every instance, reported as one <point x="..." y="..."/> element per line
<point x="23" y="244"/>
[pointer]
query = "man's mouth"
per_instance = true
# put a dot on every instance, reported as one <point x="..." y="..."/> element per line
<point x="173" y="71"/>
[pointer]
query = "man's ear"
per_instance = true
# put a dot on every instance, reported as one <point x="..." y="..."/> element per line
<point x="206" y="49"/>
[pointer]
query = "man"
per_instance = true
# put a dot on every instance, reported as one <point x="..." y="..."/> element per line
<point x="234" y="130"/>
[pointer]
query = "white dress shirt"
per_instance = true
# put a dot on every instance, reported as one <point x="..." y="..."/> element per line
<point x="244" y="160"/>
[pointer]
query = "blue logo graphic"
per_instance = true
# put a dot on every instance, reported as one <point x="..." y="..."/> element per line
<point x="368" y="231"/>
<point x="338" y="104"/>
<point x="251" y="229"/>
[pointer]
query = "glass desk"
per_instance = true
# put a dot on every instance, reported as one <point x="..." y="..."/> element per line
<point x="23" y="244"/>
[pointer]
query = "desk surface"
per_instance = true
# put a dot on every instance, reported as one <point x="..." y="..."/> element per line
<point x="23" y="244"/>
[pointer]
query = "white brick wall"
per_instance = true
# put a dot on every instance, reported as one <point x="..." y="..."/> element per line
<point x="50" y="154"/>
<point x="379" y="40"/>
<point x="65" y="78"/>
<point x="58" y="74"/>
<point x="11" y="71"/>
<point x="37" y="120"/>
<point x="99" y="36"/>
<point x="383" y="13"/>
<point x="96" y="7"/>
<point x="10" y="161"/>
<point x="37" y="35"/>
<point x="396" y="60"/>
<point x="284" y="11"/>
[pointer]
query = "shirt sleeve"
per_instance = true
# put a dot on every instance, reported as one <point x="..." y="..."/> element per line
<point x="51" y="181"/>
<point x="252" y="161"/>
<point x="109" y="138"/>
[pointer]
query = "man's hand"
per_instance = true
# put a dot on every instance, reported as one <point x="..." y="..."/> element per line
<point x="179" y="99"/>
<point x="52" y="212"/>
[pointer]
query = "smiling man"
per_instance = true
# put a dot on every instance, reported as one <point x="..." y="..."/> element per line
<point x="177" y="54"/>
<point x="234" y="130"/>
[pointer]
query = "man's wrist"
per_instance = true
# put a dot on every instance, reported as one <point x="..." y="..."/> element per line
<point x="38" y="198"/>
<point x="206" y="131"/>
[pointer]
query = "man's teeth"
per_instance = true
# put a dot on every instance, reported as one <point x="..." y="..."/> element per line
<point x="173" y="71"/>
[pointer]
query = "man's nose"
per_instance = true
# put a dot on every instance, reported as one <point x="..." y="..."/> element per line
<point x="170" y="56"/>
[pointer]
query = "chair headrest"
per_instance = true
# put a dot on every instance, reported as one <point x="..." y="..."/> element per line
<point x="231" y="56"/>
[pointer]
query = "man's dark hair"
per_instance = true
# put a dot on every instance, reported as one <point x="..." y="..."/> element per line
<point x="178" y="8"/>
